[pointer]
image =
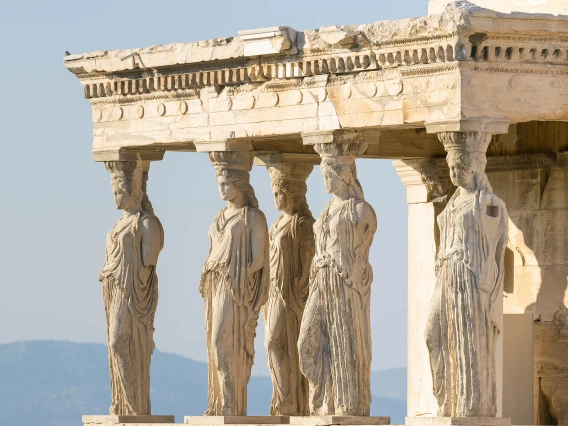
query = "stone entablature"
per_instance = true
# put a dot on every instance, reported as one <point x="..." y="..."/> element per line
<point x="465" y="63"/>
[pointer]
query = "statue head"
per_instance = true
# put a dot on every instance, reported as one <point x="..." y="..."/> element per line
<point x="338" y="167"/>
<point x="232" y="183"/>
<point x="289" y="187"/>
<point x="340" y="173"/>
<point x="282" y="199"/>
<point x="466" y="158"/>
<point x="126" y="184"/>
<point x="290" y="194"/>
<point x="468" y="169"/>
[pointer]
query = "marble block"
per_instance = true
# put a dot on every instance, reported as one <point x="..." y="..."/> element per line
<point x="236" y="420"/>
<point x="339" y="420"/>
<point x="98" y="420"/>
<point x="458" y="421"/>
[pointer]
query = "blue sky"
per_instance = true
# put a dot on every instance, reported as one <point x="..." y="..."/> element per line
<point x="56" y="205"/>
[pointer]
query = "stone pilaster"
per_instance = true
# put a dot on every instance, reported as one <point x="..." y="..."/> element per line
<point x="428" y="187"/>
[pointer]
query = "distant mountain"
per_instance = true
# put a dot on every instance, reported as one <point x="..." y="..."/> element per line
<point x="390" y="384"/>
<point x="54" y="383"/>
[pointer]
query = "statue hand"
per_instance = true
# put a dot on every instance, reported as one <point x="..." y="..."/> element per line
<point x="255" y="266"/>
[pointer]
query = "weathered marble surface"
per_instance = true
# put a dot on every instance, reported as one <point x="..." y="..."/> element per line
<point x="130" y="288"/>
<point x="339" y="420"/>
<point x="533" y="187"/>
<point x="393" y="76"/>
<point x="335" y="336"/>
<point x="235" y="420"/>
<point x="465" y="62"/>
<point x="234" y="285"/>
<point x="551" y="368"/>
<point x="535" y="190"/>
<point x="131" y="420"/>
<point x="457" y="421"/>
<point x="466" y="309"/>
<point x="291" y="253"/>
<point x="555" y="7"/>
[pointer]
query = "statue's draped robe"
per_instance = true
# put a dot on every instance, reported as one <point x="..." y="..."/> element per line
<point x="130" y="296"/>
<point x="466" y="310"/>
<point x="335" y="336"/>
<point x="232" y="307"/>
<point x="291" y="252"/>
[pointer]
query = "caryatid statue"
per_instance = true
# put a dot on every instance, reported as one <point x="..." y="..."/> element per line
<point x="466" y="309"/>
<point x="130" y="288"/>
<point x="335" y="335"/>
<point x="291" y="254"/>
<point x="234" y="285"/>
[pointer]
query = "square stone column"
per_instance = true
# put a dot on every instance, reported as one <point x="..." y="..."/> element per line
<point x="428" y="188"/>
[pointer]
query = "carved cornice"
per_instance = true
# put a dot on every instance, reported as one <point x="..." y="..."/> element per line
<point x="421" y="71"/>
<point x="131" y="99"/>
<point x="436" y="168"/>
<point x="412" y="62"/>
<point x="426" y="179"/>
<point x="463" y="33"/>
<point x="525" y="69"/>
<point x="526" y="162"/>
<point x="436" y="177"/>
<point x="278" y="75"/>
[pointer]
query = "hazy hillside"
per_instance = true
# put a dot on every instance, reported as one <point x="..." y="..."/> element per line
<point x="54" y="383"/>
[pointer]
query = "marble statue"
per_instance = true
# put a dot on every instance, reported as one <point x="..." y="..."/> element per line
<point x="291" y="253"/>
<point x="130" y="289"/>
<point x="234" y="285"/>
<point x="335" y="335"/>
<point x="466" y="308"/>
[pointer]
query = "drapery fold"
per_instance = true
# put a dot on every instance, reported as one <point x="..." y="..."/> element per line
<point x="130" y="297"/>
<point x="232" y="306"/>
<point x="465" y="315"/>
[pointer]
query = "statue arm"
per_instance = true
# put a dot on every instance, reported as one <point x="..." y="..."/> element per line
<point x="102" y="274"/>
<point x="500" y="251"/>
<point x="367" y="222"/>
<point x="258" y="241"/>
<point x="151" y="241"/>
<point x="366" y="227"/>
<point x="307" y="249"/>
